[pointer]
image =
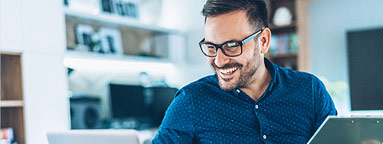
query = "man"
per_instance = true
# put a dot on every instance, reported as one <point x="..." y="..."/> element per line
<point x="249" y="99"/>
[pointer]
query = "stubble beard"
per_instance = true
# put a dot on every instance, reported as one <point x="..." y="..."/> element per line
<point x="243" y="79"/>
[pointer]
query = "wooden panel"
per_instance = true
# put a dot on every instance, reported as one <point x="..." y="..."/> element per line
<point x="11" y="103"/>
<point x="289" y="60"/>
<point x="14" y="118"/>
<point x="11" y="80"/>
<point x="303" y="35"/>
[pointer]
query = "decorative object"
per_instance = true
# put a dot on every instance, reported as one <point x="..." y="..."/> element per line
<point x="88" y="6"/>
<point x="131" y="8"/>
<point x="335" y="89"/>
<point x="86" y="38"/>
<point x="282" y="16"/>
<point x="146" y="47"/>
<point x="111" y="41"/>
<point x="128" y="8"/>
<point x="150" y="11"/>
<point x="107" y="6"/>
<point x="338" y="92"/>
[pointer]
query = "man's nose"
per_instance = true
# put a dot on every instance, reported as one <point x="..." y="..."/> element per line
<point x="221" y="59"/>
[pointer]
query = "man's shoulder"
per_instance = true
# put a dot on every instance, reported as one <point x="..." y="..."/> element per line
<point x="197" y="90"/>
<point x="288" y="74"/>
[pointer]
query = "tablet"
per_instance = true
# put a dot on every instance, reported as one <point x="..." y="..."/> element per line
<point x="351" y="130"/>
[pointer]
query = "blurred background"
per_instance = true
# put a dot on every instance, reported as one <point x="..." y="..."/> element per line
<point x="116" y="64"/>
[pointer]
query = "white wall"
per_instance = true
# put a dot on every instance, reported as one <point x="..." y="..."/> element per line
<point x="329" y="22"/>
<point x="185" y="15"/>
<point x="10" y="23"/>
<point x="36" y="28"/>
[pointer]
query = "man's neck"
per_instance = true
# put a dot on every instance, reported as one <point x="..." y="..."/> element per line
<point x="258" y="84"/>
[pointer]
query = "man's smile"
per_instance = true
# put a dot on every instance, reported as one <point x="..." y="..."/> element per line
<point x="227" y="73"/>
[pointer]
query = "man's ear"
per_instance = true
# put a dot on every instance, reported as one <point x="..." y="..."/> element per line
<point x="265" y="37"/>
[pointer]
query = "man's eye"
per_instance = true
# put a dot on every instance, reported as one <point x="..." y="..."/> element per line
<point x="211" y="47"/>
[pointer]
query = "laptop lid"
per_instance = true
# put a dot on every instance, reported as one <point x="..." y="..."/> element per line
<point x="352" y="130"/>
<point x="94" y="137"/>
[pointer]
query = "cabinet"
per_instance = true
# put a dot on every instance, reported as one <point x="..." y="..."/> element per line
<point x="289" y="42"/>
<point x="11" y="97"/>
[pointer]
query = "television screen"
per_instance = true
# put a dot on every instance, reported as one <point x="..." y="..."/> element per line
<point x="365" y="62"/>
<point x="127" y="101"/>
<point x="146" y="105"/>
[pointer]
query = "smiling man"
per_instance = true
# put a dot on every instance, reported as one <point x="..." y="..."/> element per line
<point x="248" y="99"/>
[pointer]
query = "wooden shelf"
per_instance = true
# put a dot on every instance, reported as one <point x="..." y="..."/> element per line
<point x="94" y="61"/>
<point x="284" y="56"/>
<point x="114" y="20"/>
<point x="98" y="56"/>
<point x="11" y="103"/>
<point x="10" y="53"/>
<point x="290" y="26"/>
<point x="11" y="96"/>
<point x="299" y="26"/>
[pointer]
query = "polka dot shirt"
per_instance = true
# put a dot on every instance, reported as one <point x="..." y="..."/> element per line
<point x="290" y="111"/>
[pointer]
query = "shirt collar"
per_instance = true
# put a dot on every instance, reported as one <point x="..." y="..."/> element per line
<point x="272" y="68"/>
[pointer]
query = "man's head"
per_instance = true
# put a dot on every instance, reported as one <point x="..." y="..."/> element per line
<point x="227" y="24"/>
<point x="256" y="10"/>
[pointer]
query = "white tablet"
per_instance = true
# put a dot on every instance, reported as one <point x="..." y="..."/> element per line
<point x="351" y="130"/>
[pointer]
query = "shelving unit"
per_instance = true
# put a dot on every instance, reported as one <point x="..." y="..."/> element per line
<point x="11" y="98"/>
<point x="11" y="103"/>
<point x="134" y="36"/>
<point x="113" y="21"/>
<point x="96" y="61"/>
<point x="82" y="55"/>
<point x="296" y="32"/>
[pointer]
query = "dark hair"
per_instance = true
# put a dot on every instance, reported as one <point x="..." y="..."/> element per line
<point x="256" y="10"/>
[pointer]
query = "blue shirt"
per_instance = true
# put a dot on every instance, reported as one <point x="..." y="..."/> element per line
<point x="290" y="111"/>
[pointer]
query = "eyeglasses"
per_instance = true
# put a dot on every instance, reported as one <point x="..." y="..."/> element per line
<point x="230" y="49"/>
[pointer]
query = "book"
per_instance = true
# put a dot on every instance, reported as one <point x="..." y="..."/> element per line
<point x="284" y="44"/>
<point x="6" y="134"/>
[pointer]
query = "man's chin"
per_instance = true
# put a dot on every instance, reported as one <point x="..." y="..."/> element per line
<point x="227" y="84"/>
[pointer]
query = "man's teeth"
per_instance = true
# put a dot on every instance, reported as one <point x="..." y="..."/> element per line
<point x="229" y="70"/>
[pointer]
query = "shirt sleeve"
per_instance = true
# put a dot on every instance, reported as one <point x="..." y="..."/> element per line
<point x="323" y="104"/>
<point x="177" y="125"/>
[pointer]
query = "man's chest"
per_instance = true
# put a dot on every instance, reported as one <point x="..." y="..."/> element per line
<point x="274" y="118"/>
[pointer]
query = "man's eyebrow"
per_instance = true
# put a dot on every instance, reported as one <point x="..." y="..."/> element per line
<point x="223" y="42"/>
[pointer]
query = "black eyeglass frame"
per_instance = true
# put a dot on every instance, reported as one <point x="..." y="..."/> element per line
<point x="219" y="46"/>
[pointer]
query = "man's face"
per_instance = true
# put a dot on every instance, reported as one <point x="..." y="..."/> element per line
<point x="233" y="72"/>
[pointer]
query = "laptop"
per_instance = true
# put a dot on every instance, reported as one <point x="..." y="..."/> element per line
<point x="351" y="130"/>
<point x="94" y="137"/>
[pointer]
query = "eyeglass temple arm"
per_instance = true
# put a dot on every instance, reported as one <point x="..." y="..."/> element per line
<point x="251" y="37"/>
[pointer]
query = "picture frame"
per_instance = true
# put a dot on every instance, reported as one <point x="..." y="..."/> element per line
<point x="127" y="8"/>
<point x="107" y="6"/>
<point x="111" y="41"/>
<point x="131" y="8"/>
<point x="119" y="7"/>
<point x="84" y="34"/>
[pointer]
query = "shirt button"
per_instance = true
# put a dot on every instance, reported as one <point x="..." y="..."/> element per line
<point x="264" y="137"/>
<point x="256" y="106"/>
<point x="238" y="91"/>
